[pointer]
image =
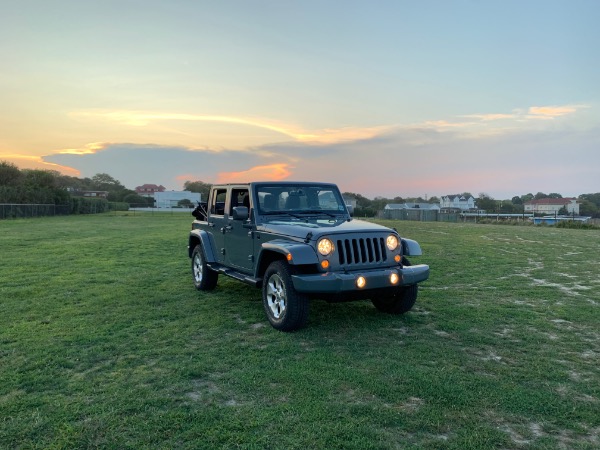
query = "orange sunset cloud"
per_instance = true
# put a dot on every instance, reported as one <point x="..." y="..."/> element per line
<point x="272" y="172"/>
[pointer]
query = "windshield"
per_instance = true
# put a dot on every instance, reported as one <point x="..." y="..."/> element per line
<point x="299" y="199"/>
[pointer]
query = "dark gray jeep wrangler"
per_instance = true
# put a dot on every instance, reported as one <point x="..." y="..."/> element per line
<point x="297" y="241"/>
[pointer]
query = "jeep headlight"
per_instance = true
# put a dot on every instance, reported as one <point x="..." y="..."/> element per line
<point x="391" y="242"/>
<point x="325" y="246"/>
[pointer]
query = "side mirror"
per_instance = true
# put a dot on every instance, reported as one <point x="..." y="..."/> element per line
<point x="240" y="213"/>
<point x="350" y="209"/>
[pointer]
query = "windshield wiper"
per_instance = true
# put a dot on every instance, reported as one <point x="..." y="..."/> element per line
<point x="280" y="213"/>
<point x="317" y="211"/>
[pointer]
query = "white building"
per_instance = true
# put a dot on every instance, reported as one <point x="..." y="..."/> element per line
<point x="552" y="205"/>
<point x="170" y="199"/>
<point x="457" y="202"/>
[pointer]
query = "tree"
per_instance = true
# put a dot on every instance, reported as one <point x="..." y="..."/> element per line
<point x="588" y="208"/>
<point x="507" y="207"/>
<point x="361" y="202"/>
<point x="379" y="203"/>
<point x="592" y="198"/>
<point x="198" y="186"/>
<point x="516" y="200"/>
<point x="484" y="201"/>
<point x="137" y="200"/>
<point x="554" y="195"/>
<point x="104" y="182"/>
<point x="527" y="197"/>
<point x="10" y="175"/>
<point x="540" y="195"/>
<point x="40" y="179"/>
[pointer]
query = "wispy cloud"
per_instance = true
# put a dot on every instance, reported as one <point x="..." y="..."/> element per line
<point x="552" y="111"/>
<point x="297" y="133"/>
<point x="492" y="117"/>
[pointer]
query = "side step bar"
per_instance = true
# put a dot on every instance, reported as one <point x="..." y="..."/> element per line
<point x="245" y="278"/>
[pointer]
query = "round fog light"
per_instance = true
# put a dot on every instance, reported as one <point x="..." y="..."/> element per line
<point x="394" y="278"/>
<point x="361" y="282"/>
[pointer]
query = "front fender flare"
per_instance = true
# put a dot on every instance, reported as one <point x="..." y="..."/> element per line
<point x="301" y="253"/>
<point x="411" y="248"/>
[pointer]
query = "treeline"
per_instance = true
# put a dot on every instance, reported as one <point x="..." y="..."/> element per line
<point x="26" y="186"/>
<point x="47" y="187"/>
<point x="589" y="204"/>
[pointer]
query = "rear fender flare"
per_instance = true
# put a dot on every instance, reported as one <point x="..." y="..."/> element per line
<point x="204" y="238"/>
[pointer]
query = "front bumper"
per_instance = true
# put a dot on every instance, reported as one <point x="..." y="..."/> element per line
<point x="337" y="282"/>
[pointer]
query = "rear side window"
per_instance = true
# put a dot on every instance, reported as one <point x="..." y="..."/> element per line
<point x="218" y="202"/>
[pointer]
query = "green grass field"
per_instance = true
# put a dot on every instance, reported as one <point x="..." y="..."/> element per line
<point x="104" y="342"/>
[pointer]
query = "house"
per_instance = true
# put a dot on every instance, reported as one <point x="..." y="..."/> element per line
<point x="148" y="190"/>
<point x="96" y="194"/>
<point x="552" y="205"/>
<point x="457" y="201"/>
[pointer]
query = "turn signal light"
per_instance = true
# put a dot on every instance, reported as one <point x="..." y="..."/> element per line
<point x="394" y="278"/>
<point x="397" y="258"/>
<point x="325" y="264"/>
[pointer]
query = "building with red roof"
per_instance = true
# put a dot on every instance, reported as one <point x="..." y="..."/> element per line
<point x="148" y="190"/>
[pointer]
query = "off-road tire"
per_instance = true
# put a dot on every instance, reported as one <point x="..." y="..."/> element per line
<point x="286" y="309"/>
<point x="205" y="279"/>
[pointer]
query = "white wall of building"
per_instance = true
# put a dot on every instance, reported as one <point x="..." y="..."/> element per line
<point x="169" y="199"/>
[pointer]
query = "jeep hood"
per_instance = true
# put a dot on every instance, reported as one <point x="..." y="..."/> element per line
<point x="320" y="227"/>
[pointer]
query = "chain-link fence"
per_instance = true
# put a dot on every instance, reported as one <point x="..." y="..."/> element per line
<point x="419" y="215"/>
<point x="17" y="211"/>
<point x="14" y="210"/>
<point x="144" y="209"/>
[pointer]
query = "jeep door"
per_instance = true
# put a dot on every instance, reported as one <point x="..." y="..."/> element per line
<point x="239" y="239"/>
<point x="218" y="221"/>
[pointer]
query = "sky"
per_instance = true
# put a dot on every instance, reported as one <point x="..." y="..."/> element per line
<point x="385" y="98"/>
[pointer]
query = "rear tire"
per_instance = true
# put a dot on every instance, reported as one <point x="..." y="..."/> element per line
<point x="286" y="309"/>
<point x="398" y="303"/>
<point x="205" y="279"/>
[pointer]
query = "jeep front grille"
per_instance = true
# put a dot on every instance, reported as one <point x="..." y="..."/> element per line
<point x="361" y="251"/>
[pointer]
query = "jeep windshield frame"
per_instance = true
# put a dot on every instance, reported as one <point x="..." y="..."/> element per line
<point x="294" y="199"/>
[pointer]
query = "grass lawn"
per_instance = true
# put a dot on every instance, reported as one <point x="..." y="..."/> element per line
<point x="104" y="342"/>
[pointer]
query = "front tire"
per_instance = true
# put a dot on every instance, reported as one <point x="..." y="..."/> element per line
<point x="205" y="279"/>
<point x="286" y="309"/>
<point x="400" y="302"/>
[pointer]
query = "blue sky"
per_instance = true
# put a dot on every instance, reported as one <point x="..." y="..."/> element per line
<point x="385" y="98"/>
